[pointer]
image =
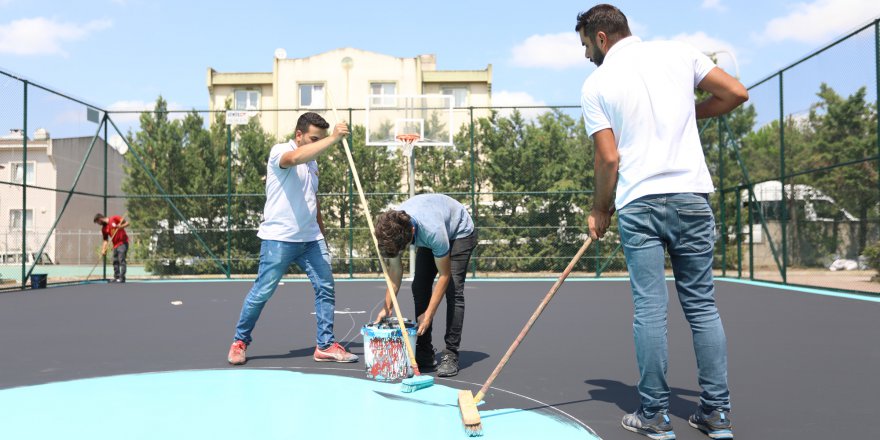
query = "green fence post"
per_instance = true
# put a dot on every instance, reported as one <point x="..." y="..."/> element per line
<point x="739" y="249"/>
<point x="104" y="257"/>
<point x="877" y="89"/>
<point x="350" y="208"/>
<point x="24" y="191"/>
<point x="228" y="201"/>
<point x="67" y="199"/>
<point x="473" y="187"/>
<point x="782" y="180"/>
<point x="751" y="242"/>
<point x="721" y="198"/>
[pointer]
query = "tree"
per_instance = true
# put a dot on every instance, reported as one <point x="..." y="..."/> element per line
<point x="158" y="144"/>
<point x="843" y="130"/>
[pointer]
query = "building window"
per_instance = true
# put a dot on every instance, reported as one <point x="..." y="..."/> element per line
<point x="311" y="96"/>
<point x="15" y="219"/>
<point x="247" y="100"/>
<point x="459" y="95"/>
<point x="18" y="173"/>
<point x="386" y="90"/>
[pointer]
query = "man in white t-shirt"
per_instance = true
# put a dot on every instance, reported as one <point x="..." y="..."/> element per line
<point x="639" y="108"/>
<point x="293" y="231"/>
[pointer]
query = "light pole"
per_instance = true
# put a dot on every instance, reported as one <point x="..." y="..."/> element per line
<point x="347" y="64"/>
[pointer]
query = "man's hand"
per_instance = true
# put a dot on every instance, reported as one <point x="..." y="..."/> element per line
<point x="384" y="313"/>
<point x="598" y="221"/>
<point x="340" y="131"/>
<point x="424" y="323"/>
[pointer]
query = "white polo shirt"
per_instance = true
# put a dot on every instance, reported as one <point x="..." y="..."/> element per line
<point x="291" y="207"/>
<point x="644" y="92"/>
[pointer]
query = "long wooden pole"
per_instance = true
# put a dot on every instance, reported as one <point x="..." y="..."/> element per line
<point x="357" y="181"/>
<point x="538" y="311"/>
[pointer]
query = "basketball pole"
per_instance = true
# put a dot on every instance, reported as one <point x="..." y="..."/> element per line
<point x="418" y="380"/>
<point x="412" y="192"/>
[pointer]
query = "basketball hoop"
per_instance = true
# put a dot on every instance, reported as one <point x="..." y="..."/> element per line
<point x="407" y="139"/>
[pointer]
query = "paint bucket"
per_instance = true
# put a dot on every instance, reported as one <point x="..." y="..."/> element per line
<point x="38" y="280"/>
<point x="384" y="351"/>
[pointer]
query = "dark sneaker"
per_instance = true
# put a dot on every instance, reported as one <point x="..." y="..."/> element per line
<point x="448" y="365"/>
<point x="657" y="427"/>
<point x="334" y="353"/>
<point x="236" y="354"/>
<point x="426" y="358"/>
<point x="716" y="423"/>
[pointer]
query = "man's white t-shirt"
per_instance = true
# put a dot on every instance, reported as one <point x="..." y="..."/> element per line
<point x="291" y="207"/>
<point x="644" y="92"/>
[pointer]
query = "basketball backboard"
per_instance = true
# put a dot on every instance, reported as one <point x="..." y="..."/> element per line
<point x="390" y="118"/>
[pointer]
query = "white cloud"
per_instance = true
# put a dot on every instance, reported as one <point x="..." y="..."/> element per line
<point x="504" y="98"/>
<point x="553" y="51"/>
<point x="44" y="36"/>
<point x="713" y="4"/>
<point x="821" y="20"/>
<point x="637" y="29"/>
<point x="725" y="52"/>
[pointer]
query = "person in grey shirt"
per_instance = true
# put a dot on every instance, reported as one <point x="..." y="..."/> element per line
<point x="444" y="235"/>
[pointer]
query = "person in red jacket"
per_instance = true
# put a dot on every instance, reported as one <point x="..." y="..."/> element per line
<point x="113" y="230"/>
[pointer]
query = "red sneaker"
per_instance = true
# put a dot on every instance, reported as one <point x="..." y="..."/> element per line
<point x="236" y="354"/>
<point x="334" y="353"/>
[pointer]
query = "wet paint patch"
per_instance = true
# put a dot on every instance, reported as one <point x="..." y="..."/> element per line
<point x="242" y="403"/>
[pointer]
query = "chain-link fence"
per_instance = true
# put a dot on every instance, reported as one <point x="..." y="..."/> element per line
<point x="796" y="169"/>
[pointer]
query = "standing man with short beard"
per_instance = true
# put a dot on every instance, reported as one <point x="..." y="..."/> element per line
<point x="293" y="231"/>
<point x="444" y="235"/>
<point x="639" y="107"/>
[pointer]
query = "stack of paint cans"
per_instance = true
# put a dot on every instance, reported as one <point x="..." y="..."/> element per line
<point x="384" y="351"/>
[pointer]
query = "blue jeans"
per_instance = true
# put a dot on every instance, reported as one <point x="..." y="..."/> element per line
<point x="683" y="225"/>
<point x="275" y="257"/>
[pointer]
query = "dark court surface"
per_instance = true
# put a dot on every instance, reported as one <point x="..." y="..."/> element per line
<point x="802" y="366"/>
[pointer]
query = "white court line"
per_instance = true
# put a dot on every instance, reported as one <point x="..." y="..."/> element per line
<point x="478" y="385"/>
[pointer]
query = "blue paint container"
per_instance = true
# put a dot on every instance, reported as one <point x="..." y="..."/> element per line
<point x="385" y="355"/>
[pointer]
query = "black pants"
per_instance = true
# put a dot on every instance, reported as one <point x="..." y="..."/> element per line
<point x="423" y="282"/>
<point x="119" y="264"/>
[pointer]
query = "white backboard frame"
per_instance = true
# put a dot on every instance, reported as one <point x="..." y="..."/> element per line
<point x="398" y="111"/>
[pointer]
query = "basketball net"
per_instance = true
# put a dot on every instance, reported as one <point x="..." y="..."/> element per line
<point x="408" y="140"/>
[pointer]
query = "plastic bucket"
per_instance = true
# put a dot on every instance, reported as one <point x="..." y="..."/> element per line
<point x="385" y="355"/>
<point x="38" y="280"/>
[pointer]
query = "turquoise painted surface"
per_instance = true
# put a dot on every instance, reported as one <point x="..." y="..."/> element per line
<point x="259" y="404"/>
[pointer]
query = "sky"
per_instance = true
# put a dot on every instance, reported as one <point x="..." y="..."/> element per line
<point x="123" y="54"/>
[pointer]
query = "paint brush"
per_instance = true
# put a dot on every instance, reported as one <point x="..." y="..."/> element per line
<point x="470" y="416"/>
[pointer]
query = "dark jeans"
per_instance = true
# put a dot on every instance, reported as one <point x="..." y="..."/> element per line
<point x="119" y="264"/>
<point x="423" y="282"/>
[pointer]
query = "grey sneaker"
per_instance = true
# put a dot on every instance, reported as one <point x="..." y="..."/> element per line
<point x="334" y="353"/>
<point x="448" y="365"/>
<point x="716" y="423"/>
<point x="657" y="427"/>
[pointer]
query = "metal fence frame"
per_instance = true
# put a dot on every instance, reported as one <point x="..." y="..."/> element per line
<point x="223" y="263"/>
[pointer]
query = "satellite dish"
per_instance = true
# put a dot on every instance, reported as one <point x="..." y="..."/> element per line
<point x="280" y="53"/>
<point x="118" y="144"/>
